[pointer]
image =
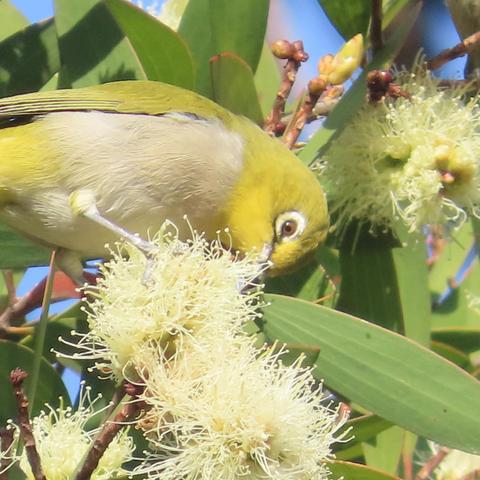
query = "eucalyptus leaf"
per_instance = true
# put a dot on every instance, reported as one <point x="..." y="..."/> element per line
<point x="28" y="58"/>
<point x="349" y="17"/>
<point x="11" y="20"/>
<point x="50" y="386"/>
<point x="233" y="86"/>
<point x="356" y="471"/>
<point x="106" y="40"/>
<point x="211" y="27"/>
<point x="383" y="372"/>
<point x="18" y="252"/>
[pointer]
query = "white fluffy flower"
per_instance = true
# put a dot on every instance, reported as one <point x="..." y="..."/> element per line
<point x="228" y="413"/>
<point x="62" y="439"/>
<point x="458" y="465"/>
<point x="415" y="158"/>
<point x="194" y="292"/>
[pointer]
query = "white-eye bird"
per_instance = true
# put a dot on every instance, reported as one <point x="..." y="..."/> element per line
<point x="77" y="166"/>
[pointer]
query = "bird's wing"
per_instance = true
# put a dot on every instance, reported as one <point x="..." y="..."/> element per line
<point x="136" y="97"/>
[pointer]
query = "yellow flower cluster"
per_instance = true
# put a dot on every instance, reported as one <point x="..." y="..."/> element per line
<point x="63" y="437"/>
<point x="216" y="406"/>
<point x="414" y="158"/>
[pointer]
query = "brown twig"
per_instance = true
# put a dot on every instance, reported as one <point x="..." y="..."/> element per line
<point x="109" y="431"/>
<point x="407" y="466"/>
<point x="432" y="464"/>
<point x="376" y="38"/>
<point x="459" y="50"/>
<point x="316" y="87"/>
<point x="23" y="305"/>
<point x="295" y="55"/>
<point x="6" y="441"/>
<point x="118" y="396"/>
<point x="17" y="378"/>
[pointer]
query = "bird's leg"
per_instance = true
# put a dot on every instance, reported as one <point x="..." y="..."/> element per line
<point x="70" y="263"/>
<point x="83" y="203"/>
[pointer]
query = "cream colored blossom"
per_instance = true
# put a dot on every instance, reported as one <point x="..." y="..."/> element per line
<point x="457" y="465"/>
<point x="194" y="292"/>
<point x="62" y="440"/>
<point x="229" y="413"/>
<point x="413" y="158"/>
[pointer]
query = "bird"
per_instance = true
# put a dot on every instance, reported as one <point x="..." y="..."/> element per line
<point x="81" y="168"/>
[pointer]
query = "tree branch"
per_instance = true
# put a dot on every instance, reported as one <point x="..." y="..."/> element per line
<point x="109" y="431"/>
<point x="432" y="464"/>
<point x="295" y="55"/>
<point x="457" y="51"/>
<point x="17" y="377"/>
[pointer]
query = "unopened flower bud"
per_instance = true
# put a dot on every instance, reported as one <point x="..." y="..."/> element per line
<point x="347" y="60"/>
<point x="282" y="49"/>
<point x="317" y="85"/>
<point x="326" y="64"/>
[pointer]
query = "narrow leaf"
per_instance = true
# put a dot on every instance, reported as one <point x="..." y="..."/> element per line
<point x="163" y="54"/>
<point x="18" y="252"/>
<point x="233" y="86"/>
<point x="355" y="471"/>
<point x="348" y="17"/>
<point x="211" y="27"/>
<point x="93" y="47"/>
<point x="465" y="339"/>
<point x="383" y="372"/>
<point x="11" y="20"/>
<point x="50" y="387"/>
<point x="28" y="59"/>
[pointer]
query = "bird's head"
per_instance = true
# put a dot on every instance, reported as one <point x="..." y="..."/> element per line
<point x="277" y="207"/>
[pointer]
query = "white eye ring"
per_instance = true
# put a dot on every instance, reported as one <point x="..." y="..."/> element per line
<point x="286" y="221"/>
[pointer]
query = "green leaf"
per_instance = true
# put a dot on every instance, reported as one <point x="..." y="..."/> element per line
<point x="465" y="339"/>
<point x="386" y="284"/>
<point x="28" y="59"/>
<point x="385" y="450"/>
<point x="50" y="387"/>
<point x="41" y="331"/>
<point x="391" y="8"/>
<point x="233" y="86"/>
<point x="11" y="20"/>
<point x="18" y="252"/>
<point x="453" y="355"/>
<point x="211" y="27"/>
<point x="267" y="79"/>
<point x="355" y="471"/>
<point x="163" y="54"/>
<point x="354" y="98"/>
<point x="349" y="17"/>
<point x="363" y="428"/>
<point x="106" y="40"/>
<point x="383" y="372"/>
<point x="315" y="281"/>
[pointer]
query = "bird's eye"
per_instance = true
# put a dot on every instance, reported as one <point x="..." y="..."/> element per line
<point x="289" y="225"/>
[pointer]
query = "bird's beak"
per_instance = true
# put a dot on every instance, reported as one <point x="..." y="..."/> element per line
<point x="265" y="254"/>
